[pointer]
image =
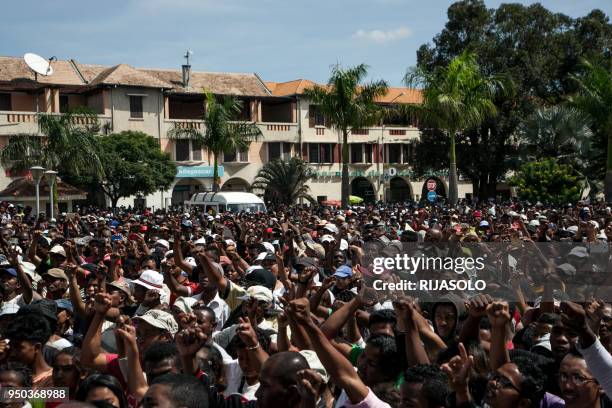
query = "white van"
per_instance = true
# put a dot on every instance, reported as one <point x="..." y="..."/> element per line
<point x="223" y="201"/>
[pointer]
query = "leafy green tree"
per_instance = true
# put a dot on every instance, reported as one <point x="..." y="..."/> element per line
<point x="537" y="49"/>
<point x="223" y="132"/>
<point x="348" y="103"/>
<point x="456" y="98"/>
<point x="284" y="182"/>
<point x="557" y="131"/>
<point x="67" y="147"/>
<point x="134" y="164"/>
<point x="594" y="98"/>
<point x="547" y="181"/>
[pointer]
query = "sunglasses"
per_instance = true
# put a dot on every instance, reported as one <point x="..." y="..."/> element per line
<point x="501" y="381"/>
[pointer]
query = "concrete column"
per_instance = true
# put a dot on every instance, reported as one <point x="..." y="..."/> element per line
<point x="55" y="94"/>
<point x="166" y="107"/>
<point x="47" y="102"/>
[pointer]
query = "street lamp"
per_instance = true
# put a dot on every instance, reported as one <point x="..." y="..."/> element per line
<point x="37" y="174"/>
<point x="51" y="180"/>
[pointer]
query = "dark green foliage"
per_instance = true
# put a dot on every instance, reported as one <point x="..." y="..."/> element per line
<point x="547" y="181"/>
<point x="284" y="182"/>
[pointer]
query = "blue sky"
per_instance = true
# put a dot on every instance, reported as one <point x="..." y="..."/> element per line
<point x="279" y="40"/>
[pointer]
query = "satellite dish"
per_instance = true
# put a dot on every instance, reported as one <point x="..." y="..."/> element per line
<point x="39" y="64"/>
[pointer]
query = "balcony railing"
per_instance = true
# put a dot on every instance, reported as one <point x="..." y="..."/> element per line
<point x="12" y="122"/>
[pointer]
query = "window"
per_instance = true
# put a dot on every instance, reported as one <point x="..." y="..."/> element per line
<point x="407" y="153"/>
<point x="279" y="150"/>
<point x="320" y="153"/>
<point x="63" y="101"/>
<point x="182" y="150"/>
<point x="315" y="116"/>
<point x="196" y="151"/>
<point x="286" y="151"/>
<point x="274" y="150"/>
<point x="136" y="107"/>
<point x="236" y="156"/>
<point x="319" y="118"/>
<point x="394" y="153"/>
<point x="5" y="102"/>
<point x="368" y="153"/>
<point x="357" y="153"/>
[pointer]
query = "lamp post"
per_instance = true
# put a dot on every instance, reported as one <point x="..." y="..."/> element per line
<point x="51" y="180"/>
<point x="37" y="174"/>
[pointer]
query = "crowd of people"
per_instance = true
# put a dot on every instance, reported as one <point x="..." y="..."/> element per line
<point x="278" y="309"/>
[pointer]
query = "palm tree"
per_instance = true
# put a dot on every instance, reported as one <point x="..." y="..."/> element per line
<point x="284" y="182"/>
<point x="348" y="104"/>
<point x="557" y="131"/>
<point x="64" y="144"/>
<point x="594" y="98"/>
<point x="222" y="132"/>
<point x="456" y="98"/>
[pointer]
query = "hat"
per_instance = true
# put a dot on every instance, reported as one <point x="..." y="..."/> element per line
<point x="566" y="269"/>
<point x="30" y="270"/>
<point x="477" y="214"/>
<point x="327" y="238"/>
<point x="579" y="252"/>
<point x="340" y="218"/>
<point x="9" y="309"/>
<point x="122" y="285"/>
<point x="187" y="223"/>
<point x="185" y="304"/>
<point x="306" y="262"/>
<point x="269" y="247"/>
<point x="269" y="256"/>
<point x="331" y="228"/>
<point x="484" y="223"/>
<point x="200" y="241"/>
<point x="315" y="247"/>
<point x="163" y="243"/>
<point x="10" y="271"/>
<point x="58" y="250"/>
<point x="315" y="364"/>
<point x="191" y="261"/>
<point x="343" y="245"/>
<point x="256" y="275"/>
<point x="230" y="242"/>
<point x="160" y="319"/>
<point x="64" y="304"/>
<point x="56" y="273"/>
<point x="261" y="256"/>
<point x="344" y="271"/>
<point x="150" y="280"/>
<point x="258" y="292"/>
<point x="573" y="229"/>
<point x="533" y="225"/>
<point x="92" y="268"/>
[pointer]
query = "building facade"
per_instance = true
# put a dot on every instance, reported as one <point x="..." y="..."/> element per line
<point x="158" y="101"/>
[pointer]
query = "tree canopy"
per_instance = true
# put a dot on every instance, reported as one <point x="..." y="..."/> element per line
<point x="134" y="164"/>
<point x="538" y="49"/>
<point x="547" y="181"/>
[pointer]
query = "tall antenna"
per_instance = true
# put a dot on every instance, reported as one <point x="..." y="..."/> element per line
<point x="187" y="55"/>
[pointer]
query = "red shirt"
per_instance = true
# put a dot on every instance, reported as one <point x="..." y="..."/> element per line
<point x="194" y="290"/>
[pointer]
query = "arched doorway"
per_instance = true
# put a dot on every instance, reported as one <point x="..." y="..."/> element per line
<point x="399" y="191"/>
<point x="235" y="184"/>
<point x="184" y="188"/>
<point x="361" y="187"/>
<point x="440" y="187"/>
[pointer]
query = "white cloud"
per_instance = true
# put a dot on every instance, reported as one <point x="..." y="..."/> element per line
<point x="382" y="36"/>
